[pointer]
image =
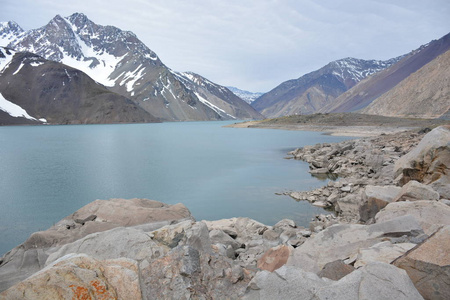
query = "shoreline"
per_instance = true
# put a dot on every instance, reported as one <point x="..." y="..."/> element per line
<point x="393" y="220"/>
<point x="343" y="124"/>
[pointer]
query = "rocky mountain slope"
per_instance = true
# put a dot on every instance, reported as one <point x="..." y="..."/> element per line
<point x="34" y="90"/>
<point x="118" y="60"/>
<point x="423" y="94"/>
<point x="247" y="96"/>
<point x="219" y="98"/>
<point x="311" y="92"/>
<point x="375" y="86"/>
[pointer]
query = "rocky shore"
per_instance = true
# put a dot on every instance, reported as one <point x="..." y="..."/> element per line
<point x="387" y="237"/>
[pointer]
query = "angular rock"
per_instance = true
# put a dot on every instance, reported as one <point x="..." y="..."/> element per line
<point x="339" y="242"/>
<point x="374" y="281"/>
<point x="428" y="265"/>
<point x="383" y="251"/>
<point x="274" y="258"/>
<point x="29" y="257"/>
<point x="430" y="214"/>
<point x="78" y="276"/>
<point x="218" y="236"/>
<point x="429" y="161"/>
<point x="375" y="198"/>
<point x="413" y="191"/>
<point x="185" y="273"/>
<point x="118" y="242"/>
<point x="335" y="270"/>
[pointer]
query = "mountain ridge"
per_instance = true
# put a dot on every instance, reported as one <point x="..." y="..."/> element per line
<point x="120" y="61"/>
<point x="312" y="91"/>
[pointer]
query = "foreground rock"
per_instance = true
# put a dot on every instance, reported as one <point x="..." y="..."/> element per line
<point x="98" y="216"/>
<point x="342" y="242"/>
<point x="429" y="162"/>
<point x="369" y="282"/>
<point x="428" y="265"/>
<point x="431" y="215"/>
<point x="81" y="277"/>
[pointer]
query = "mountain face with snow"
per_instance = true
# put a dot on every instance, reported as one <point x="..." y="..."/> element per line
<point x="217" y="97"/>
<point x="120" y="61"/>
<point x="311" y="92"/>
<point x="247" y="96"/>
<point x="34" y="90"/>
<point x="402" y="95"/>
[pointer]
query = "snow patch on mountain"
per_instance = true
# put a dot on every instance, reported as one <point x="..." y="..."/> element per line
<point x="6" y="56"/>
<point x="212" y="106"/>
<point x="247" y="96"/>
<point x="15" y="110"/>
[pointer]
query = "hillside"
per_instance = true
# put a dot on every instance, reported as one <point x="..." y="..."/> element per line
<point x="311" y="92"/>
<point x="121" y="62"/>
<point x="35" y="90"/>
<point x="423" y="94"/>
<point x="373" y="87"/>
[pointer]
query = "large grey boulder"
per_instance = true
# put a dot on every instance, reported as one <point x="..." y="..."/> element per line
<point x="31" y="256"/>
<point x="124" y="242"/>
<point x="431" y="215"/>
<point x="428" y="265"/>
<point x="185" y="273"/>
<point x="340" y="242"/>
<point x="429" y="162"/>
<point x="78" y="276"/>
<point x="375" y="198"/>
<point x="414" y="190"/>
<point x="374" y="281"/>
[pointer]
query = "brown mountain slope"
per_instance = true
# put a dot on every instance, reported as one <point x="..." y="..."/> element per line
<point x="369" y="89"/>
<point x="424" y="94"/>
<point x="61" y="94"/>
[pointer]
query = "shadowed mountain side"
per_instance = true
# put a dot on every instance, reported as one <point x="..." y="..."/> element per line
<point x="63" y="95"/>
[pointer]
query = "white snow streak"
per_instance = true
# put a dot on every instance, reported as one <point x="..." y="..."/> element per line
<point x="212" y="106"/>
<point x="15" y="110"/>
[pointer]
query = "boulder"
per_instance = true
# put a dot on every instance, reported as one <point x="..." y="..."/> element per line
<point x="220" y="237"/>
<point x="428" y="265"/>
<point x="414" y="190"/>
<point x="335" y="270"/>
<point x="31" y="256"/>
<point x="375" y="198"/>
<point x="339" y="242"/>
<point x="185" y="273"/>
<point x="124" y="242"/>
<point x="373" y="281"/>
<point x="429" y="161"/>
<point x="430" y="214"/>
<point x="384" y="251"/>
<point x="274" y="258"/>
<point x="78" y="276"/>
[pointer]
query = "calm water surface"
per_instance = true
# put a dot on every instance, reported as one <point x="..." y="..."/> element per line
<point x="48" y="172"/>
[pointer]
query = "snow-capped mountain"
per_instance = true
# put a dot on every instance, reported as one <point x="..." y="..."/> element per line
<point x="34" y="90"/>
<point x="311" y="92"/>
<point x="396" y="92"/>
<point x="217" y="97"/>
<point x="247" y="96"/>
<point x="118" y="60"/>
<point x="9" y="31"/>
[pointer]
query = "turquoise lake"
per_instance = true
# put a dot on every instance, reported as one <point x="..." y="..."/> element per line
<point x="48" y="172"/>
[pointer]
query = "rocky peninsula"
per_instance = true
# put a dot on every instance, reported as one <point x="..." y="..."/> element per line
<point x="387" y="237"/>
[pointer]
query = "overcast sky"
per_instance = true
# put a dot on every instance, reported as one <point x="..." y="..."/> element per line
<point x="255" y="44"/>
